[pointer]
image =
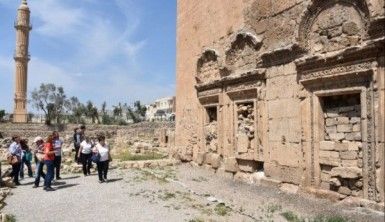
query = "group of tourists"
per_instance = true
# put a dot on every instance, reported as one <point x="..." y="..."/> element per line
<point x="47" y="155"/>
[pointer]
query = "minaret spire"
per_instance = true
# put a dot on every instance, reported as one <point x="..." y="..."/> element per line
<point x="23" y="27"/>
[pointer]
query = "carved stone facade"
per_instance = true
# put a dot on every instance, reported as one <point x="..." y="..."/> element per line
<point x="293" y="89"/>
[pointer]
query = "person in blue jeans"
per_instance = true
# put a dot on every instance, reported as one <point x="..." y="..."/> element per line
<point x="39" y="160"/>
<point x="49" y="157"/>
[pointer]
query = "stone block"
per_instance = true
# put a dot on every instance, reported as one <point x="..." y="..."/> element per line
<point x="354" y="146"/>
<point x="349" y="155"/>
<point x="345" y="191"/>
<point x="331" y="129"/>
<point x="337" y="136"/>
<point x="355" y="120"/>
<point x="332" y="113"/>
<point x="342" y="120"/>
<point x="329" y="161"/>
<point x="289" y="188"/>
<point x="345" y="128"/>
<point x="215" y="160"/>
<point x="346" y="172"/>
<point x="231" y="165"/>
<point x="327" y="145"/>
<point x="350" y="28"/>
<point x="335" y="182"/>
<point x="325" y="176"/>
<point x="208" y="158"/>
<point x="330" y="122"/>
<point x="243" y="177"/>
<point x="356" y="136"/>
<point x="247" y="165"/>
<point x="356" y="128"/>
<point x="342" y="146"/>
<point x="325" y="185"/>
<point x="200" y="158"/>
<point x="330" y="154"/>
<point x="349" y="163"/>
<point x="243" y="143"/>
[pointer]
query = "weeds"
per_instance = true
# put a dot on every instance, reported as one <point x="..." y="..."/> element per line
<point x="127" y="156"/>
<point x="222" y="210"/>
<point x="10" y="218"/>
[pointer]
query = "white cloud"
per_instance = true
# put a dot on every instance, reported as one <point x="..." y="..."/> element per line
<point x="57" y="18"/>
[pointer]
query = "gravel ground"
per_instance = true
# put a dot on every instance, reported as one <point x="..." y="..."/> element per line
<point x="181" y="193"/>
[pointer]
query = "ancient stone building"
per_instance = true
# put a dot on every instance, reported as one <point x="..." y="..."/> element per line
<point x="293" y="89"/>
<point x="23" y="27"/>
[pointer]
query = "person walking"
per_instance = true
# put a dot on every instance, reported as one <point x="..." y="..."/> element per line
<point x="57" y="146"/>
<point x="77" y="140"/>
<point x="39" y="160"/>
<point x="49" y="157"/>
<point x="85" y="153"/>
<point x="26" y="158"/>
<point x="101" y="149"/>
<point x="15" y="153"/>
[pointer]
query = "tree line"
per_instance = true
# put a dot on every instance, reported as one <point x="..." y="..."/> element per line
<point x="58" y="108"/>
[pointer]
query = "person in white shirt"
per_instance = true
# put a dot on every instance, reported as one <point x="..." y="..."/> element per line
<point x="57" y="146"/>
<point x="104" y="158"/>
<point x="16" y="151"/>
<point x="85" y="153"/>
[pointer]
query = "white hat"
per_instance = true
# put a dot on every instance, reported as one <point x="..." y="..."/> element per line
<point x="37" y="139"/>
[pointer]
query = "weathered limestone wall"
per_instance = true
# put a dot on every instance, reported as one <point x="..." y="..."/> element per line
<point x="195" y="26"/>
<point x="119" y="137"/>
<point x="254" y="79"/>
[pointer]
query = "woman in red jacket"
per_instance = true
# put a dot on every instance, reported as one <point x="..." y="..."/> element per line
<point x="49" y="157"/>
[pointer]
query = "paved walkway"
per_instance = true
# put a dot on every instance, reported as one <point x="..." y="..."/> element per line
<point x="180" y="193"/>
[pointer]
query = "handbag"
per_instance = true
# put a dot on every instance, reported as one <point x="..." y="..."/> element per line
<point x="95" y="157"/>
<point x="13" y="159"/>
<point x="40" y="157"/>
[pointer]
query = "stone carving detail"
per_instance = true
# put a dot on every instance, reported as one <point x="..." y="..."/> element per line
<point x="208" y="67"/>
<point x="245" y="127"/>
<point x="365" y="66"/>
<point x="333" y="25"/>
<point x="242" y="52"/>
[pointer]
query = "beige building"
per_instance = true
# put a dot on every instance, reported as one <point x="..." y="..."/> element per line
<point x="23" y="27"/>
<point x="161" y="109"/>
<point x="293" y="89"/>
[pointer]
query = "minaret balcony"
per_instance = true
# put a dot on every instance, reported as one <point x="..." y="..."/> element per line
<point x="22" y="25"/>
<point x="21" y="57"/>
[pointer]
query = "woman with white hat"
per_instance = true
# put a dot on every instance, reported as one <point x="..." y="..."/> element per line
<point x="39" y="159"/>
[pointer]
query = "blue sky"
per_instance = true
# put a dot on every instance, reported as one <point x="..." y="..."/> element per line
<point x="98" y="50"/>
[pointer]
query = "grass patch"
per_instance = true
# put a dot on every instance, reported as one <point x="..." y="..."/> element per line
<point x="10" y="218"/>
<point x="222" y="210"/>
<point x="167" y="196"/>
<point x="291" y="217"/>
<point x="128" y="156"/>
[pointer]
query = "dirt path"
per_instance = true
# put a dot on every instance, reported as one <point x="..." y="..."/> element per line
<point x="180" y="193"/>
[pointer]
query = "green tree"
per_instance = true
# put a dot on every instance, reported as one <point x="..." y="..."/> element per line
<point x="51" y="100"/>
<point x="140" y="109"/>
<point x="2" y="115"/>
<point x="92" y="112"/>
<point x="77" y="109"/>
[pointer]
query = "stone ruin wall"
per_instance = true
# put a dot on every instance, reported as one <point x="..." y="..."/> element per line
<point x="297" y="88"/>
<point x="154" y="134"/>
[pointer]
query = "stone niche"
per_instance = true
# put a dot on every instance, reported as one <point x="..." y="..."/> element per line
<point x="208" y="67"/>
<point x="211" y="129"/>
<point x="340" y="154"/>
<point x="333" y="25"/>
<point x="242" y="54"/>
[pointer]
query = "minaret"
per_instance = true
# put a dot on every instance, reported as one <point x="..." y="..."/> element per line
<point x="23" y="27"/>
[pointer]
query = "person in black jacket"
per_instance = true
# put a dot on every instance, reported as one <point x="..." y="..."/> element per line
<point x="76" y="142"/>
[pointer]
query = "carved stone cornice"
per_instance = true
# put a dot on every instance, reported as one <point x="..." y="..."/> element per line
<point x="353" y="60"/>
<point x="281" y="55"/>
<point x="253" y="75"/>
